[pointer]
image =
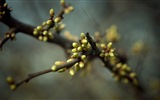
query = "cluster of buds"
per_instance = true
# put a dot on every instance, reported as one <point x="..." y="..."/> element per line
<point x="83" y="44"/>
<point x="77" y="53"/>
<point x="4" y="9"/>
<point x="41" y="34"/>
<point x="11" y="82"/>
<point x="122" y="72"/>
<point x="107" y="51"/>
<point x="10" y="35"/>
<point x="112" y="34"/>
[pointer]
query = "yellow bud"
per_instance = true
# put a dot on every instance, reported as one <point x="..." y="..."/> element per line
<point x="79" y="49"/>
<point x="118" y="65"/>
<point x="106" y="54"/>
<point x="62" y="70"/>
<point x="54" y="68"/>
<point x="77" y="68"/>
<point x="58" y="63"/>
<point x="66" y="11"/>
<point x="55" y="27"/>
<point x="45" y="38"/>
<point x="128" y="69"/>
<point x="39" y="28"/>
<point x="9" y="79"/>
<point x="83" y="45"/>
<point x="51" y="12"/>
<point x="101" y="55"/>
<point x="12" y="87"/>
<point x="132" y="75"/>
<point x="3" y="12"/>
<point x="44" y="23"/>
<point x="57" y="19"/>
<point x="81" y="64"/>
<point x="5" y="5"/>
<point x="69" y="60"/>
<point x="62" y="26"/>
<point x="75" y="55"/>
<point x="75" y="45"/>
<point x="122" y="73"/>
<point x="71" y="72"/>
<point x="35" y="32"/>
<point x="83" y="57"/>
<point x="124" y="66"/>
<point x="111" y="54"/>
<point x="13" y="35"/>
<point x="49" y="22"/>
<point x="109" y="45"/>
<point x="88" y="46"/>
<point x="74" y="50"/>
<point x="84" y="41"/>
<point x="40" y="38"/>
<point x="50" y="35"/>
<point x="10" y="9"/>
<point x="82" y="36"/>
<point x="112" y="50"/>
<point x="70" y="8"/>
<point x="62" y="2"/>
<point x="103" y="46"/>
<point x="45" y="32"/>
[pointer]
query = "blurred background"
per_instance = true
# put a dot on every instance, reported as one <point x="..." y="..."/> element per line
<point x="136" y="20"/>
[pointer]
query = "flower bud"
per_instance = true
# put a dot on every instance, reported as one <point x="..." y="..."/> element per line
<point x="71" y="72"/>
<point x="54" y="68"/>
<point x="58" y="63"/>
<point x="74" y="50"/>
<point x="62" y="70"/>
<point x="9" y="80"/>
<point x="103" y="46"/>
<point x="83" y="57"/>
<point x="45" y="32"/>
<point x="84" y="41"/>
<point x="39" y="28"/>
<point x="12" y="87"/>
<point x="51" y="12"/>
<point x="75" y="55"/>
<point x="69" y="60"/>
<point x="109" y="45"/>
<point x="75" y="45"/>
<point x="81" y="64"/>
<point x="82" y="35"/>
<point x="40" y="38"/>
<point x="57" y="19"/>
<point x="79" y="49"/>
<point x="49" y="22"/>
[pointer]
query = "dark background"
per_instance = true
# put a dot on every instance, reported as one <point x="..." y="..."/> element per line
<point x="137" y="20"/>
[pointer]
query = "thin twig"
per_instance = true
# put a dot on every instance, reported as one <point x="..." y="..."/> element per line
<point x="36" y="74"/>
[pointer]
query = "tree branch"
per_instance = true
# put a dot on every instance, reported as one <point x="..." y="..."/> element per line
<point x="36" y="74"/>
<point x="28" y="30"/>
